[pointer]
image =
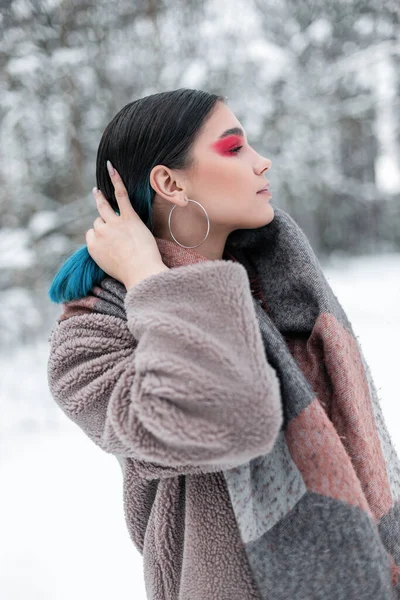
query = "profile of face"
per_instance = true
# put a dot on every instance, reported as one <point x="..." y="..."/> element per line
<point x="225" y="179"/>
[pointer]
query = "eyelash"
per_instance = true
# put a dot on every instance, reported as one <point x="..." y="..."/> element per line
<point x="235" y="150"/>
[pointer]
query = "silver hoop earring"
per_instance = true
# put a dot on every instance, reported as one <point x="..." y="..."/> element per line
<point x="208" y="225"/>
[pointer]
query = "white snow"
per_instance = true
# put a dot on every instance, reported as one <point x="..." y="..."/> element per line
<point x="14" y="250"/>
<point x="63" y="533"/>
<point x="320" y="30"/>
<point x="42" y="221"/>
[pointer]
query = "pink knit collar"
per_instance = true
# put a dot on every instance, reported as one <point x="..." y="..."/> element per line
<point x="174" y="255"/>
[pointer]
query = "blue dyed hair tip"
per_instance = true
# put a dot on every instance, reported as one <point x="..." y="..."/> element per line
<point x="77" y="276"/>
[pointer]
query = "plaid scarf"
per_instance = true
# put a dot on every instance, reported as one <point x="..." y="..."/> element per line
<point x="323" y="506"/>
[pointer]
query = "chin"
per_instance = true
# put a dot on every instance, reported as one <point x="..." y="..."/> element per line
<point x="254" y="220"/>
<point x="263" y="217"/>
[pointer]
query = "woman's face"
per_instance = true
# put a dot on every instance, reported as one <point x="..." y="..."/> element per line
<point x="225" y="179"/>
<point x="228" y="174"/>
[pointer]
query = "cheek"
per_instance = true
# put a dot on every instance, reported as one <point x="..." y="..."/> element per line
<point x="225" y="177"/>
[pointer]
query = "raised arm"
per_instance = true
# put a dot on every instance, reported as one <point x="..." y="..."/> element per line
<point x="183" y="383"/>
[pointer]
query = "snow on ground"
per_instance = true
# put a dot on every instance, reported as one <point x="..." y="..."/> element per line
<point x="63" y="533"/>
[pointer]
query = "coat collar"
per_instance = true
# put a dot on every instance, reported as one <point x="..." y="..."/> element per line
<point x="281" y="259"/>
<point x="239" y="241"/>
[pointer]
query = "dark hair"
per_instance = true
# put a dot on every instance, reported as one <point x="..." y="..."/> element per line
<point x="157" y="129"/>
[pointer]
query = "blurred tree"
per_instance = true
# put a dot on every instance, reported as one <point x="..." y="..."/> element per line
<point x="315" y="83"/>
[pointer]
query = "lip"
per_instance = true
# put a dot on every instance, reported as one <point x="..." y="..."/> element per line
<point x="265" y="193"/>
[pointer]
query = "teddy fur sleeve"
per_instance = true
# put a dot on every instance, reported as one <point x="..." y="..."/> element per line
<point x="183" y="383"/>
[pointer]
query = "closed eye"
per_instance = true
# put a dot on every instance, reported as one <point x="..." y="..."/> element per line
<point x="235" y="150"/>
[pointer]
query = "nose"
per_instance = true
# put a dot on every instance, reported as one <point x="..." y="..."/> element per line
<point x="266" y="165"/>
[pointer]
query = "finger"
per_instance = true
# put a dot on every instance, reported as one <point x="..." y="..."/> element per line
<point x="103" y="206"/>
<point x="98" y="222"/>
<point x="124" y="204"/>
<point x="89" y="237"/>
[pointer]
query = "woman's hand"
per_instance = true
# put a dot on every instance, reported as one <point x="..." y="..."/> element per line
<point x="122" y="245"/>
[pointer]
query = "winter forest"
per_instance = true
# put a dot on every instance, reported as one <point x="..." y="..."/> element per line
<point x="316" y="85"/>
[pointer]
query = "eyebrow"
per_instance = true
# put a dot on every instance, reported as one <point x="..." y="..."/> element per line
<point x="232" y="131"/>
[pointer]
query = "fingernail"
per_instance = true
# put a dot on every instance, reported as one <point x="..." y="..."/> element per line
<point x="110" y="168"/>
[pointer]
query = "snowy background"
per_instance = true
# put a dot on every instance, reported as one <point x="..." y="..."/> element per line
<point x="316" y="86"/>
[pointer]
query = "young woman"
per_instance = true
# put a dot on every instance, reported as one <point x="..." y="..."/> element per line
<point x="201" y="345"/>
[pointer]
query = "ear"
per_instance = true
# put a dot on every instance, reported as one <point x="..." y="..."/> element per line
<point x="168" y="184"/>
